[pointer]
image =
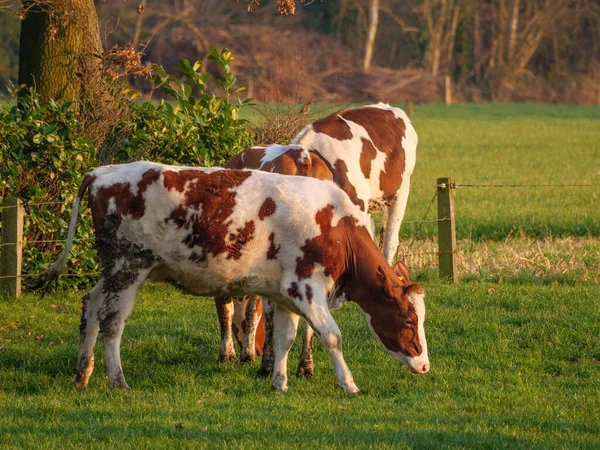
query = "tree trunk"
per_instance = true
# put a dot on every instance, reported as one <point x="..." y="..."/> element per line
<point x="60" y="48"/>
<point x="373" y="22"/>
<point x="512" y="33"/>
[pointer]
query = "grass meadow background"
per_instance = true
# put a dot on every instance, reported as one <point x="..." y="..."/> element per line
<point x="514" y="347"/>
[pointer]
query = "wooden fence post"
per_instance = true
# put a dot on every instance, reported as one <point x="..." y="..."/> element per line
<point x="446" y="230"/>
<point x="448" y="89"/>
<point x="409" y="110"/>
<point x="11" y="255"/>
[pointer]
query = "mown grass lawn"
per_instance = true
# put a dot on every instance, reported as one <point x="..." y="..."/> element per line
<point x="513" y="366"/>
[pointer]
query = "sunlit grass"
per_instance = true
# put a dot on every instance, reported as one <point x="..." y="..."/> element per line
<point x="513" y="366"/>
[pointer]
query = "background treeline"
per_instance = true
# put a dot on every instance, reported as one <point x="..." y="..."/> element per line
<point x="353" y="50"/>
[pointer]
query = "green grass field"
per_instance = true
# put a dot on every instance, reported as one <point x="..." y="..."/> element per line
<point x="506" y="144"/>
<point x="514" y="347"/>
<point x="512" y="367"/>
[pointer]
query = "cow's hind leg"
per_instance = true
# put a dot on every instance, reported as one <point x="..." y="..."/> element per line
<point x="395" y="214"/>
<point x="285" y="325"/>
<point x="225" y="313"/>
<point x="113" y="313"/>
<point x="268" y="358"/>
<point x="306" y="366"/>
<point x="253" y="311"/>
<point x="88" y="334"/>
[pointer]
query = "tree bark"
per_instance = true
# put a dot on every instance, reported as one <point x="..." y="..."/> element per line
<point x="372" y="31"/>
<point x="60" y="47"/>
<point x="512" y="33"/>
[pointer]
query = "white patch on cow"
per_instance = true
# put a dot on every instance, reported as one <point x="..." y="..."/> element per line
<point x="418" y="301"/>
<point x="112" y="205"/>
<point x="275" y="151"/>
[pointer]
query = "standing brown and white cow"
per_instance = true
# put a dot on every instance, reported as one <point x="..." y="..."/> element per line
<point x="234" y="232"/>
<point x="243" y="317"/>
<point x="371" y="152"/>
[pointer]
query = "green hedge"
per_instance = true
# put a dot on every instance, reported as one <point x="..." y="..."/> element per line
<point x="44" y="153"/>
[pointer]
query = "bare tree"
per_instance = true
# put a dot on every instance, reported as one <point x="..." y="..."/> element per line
<point x="371" y="32"/>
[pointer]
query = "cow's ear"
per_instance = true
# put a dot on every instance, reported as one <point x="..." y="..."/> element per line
<point x="387" y="284"/>
<point x="401" y="271"/>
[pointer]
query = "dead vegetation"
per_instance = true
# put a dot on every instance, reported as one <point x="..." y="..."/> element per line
<point x="295" y="66"/>
<point x="549" y="260"/>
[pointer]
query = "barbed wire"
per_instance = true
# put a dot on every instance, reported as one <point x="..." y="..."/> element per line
<point x="403" y="254"/>
<point x="457" y="185"/>
<point x="46" y="241"/>
<point x="33" y="275"/>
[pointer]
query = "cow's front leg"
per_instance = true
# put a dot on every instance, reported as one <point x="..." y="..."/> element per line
<point x="253" y="312"/>
<point x="88" y="334"/>
<point x="285" y="325"/>
<point x="306" y="367"/>
<point x="225" y="313"/>
<point x="319" y="317"/>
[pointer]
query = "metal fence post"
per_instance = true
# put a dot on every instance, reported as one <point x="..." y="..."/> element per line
<point x="11" y="255"/>
<point x="446" y="230"/>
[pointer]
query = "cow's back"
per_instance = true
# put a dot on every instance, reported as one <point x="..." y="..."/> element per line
<point x="369" y="149"/>
<point x="212" y="230"/>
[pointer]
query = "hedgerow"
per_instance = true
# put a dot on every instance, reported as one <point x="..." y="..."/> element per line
<point x="44" y="152"/>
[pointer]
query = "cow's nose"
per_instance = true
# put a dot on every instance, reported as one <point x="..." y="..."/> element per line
<point x="425" y="368"/>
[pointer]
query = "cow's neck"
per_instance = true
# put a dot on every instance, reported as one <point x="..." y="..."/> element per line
<point x="360" y="282"/>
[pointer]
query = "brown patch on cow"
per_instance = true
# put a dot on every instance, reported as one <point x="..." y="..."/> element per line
<point x="293" y="291"/>
<point x="267" y="208"/>
<point x="333" y="126"/>
<point x="367" y="155"/>
<point x="273" y="250"/>
<point x="320" y="169"/>
<point x="294" y="161"/>
<point x="398" y="333"/>
<point x="309" y="293"/>
<point x="260" y="332"/>
<point x="329" y="249"/>
<point x="248" y="159"/>
<point x="414" y="289"/>
<point x="126" y="202"/>
<point x="239" y="239"/>
<point x="211" y="199"/>
<point x="339" y="173"/>
<point x="340" y="177"/>
<point x="393" y="317"/>
<point x="386" y="132"/>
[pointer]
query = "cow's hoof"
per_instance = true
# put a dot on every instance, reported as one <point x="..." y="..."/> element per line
<point x="80" y="384"/>
<point x="247" y="357"/>
<point x="264" y="372"/>
<point x="350" y="389"/>
<point x="279" y="383"/>
<point x="305" y="371"/>
<point x="225" y="357"/>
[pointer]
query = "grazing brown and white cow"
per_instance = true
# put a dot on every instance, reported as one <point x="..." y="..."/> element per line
<point x="235" y="232"/>
<point x="371" y="152"/>
<point x="243" y="317"/>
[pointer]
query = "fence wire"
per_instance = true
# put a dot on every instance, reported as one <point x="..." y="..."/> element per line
<point x="409" y="250"/>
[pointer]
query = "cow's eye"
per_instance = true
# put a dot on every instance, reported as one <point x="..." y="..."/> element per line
<point x="409" y="322"/>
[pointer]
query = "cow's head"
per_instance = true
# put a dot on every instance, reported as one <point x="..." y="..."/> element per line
<point x="397" y="318"/>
